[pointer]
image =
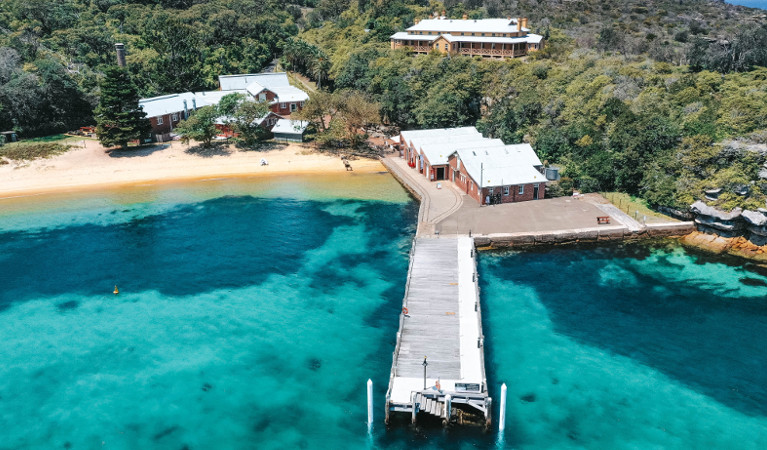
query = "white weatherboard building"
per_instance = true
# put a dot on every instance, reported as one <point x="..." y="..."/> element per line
<point x="487" y="38"/>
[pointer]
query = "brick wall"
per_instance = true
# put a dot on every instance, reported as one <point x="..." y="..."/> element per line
<point x="514" y="195"/>
<point x="168" y="124"/>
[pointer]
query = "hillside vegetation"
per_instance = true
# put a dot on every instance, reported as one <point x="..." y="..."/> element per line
<point x="613" y="120"/>
<point x="657" y="98"/>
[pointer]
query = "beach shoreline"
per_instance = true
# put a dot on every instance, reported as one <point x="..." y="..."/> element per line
<point x="92" y="167"/>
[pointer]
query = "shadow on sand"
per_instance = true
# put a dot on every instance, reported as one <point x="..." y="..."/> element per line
<point x="215" y="149"/>
<point x="262" y="146"/>
<point x="133" y="152"/>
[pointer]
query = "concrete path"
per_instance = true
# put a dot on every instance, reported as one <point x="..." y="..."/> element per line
<point x="436" y="203"/>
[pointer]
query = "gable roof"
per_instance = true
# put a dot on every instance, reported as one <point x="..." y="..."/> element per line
<point x="268" y="80"/>
<point x="524" y="153"/>
<point x="468" y="25"/>
<point x="174" y="103"/>
<point x="166" y="104"/>
<point x="287" y="126"/>
<point x="498" y="166"/>
<point x="284" y="93"/>
<point x="438" y="153"/>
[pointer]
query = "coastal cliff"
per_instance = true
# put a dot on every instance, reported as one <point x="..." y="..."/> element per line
<point x="739" y="232"/>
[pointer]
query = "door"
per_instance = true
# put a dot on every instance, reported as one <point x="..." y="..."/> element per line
<point x="535" y="192"/>
<point x="440" y="173"/>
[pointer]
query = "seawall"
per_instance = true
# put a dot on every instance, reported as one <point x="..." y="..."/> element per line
<point x="582" y="235"/>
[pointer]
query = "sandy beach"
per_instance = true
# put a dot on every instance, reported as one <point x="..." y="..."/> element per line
<point x="93" y="167"/>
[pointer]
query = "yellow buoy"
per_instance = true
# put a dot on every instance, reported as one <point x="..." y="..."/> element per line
<point x="117" y="291"/>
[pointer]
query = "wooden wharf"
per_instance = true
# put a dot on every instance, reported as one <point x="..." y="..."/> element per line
<point x="440" y="323"/>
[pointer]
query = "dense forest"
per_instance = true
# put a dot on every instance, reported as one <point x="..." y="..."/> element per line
<point x="658" y="98"/>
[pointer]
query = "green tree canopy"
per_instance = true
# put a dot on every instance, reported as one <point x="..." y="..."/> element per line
<point x="200" y="126"/>
<point x="119" y="119"/>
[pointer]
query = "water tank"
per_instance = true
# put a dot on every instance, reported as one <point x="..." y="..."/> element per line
<point x="552" y="173"/>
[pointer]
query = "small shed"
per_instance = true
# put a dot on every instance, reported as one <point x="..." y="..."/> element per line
<point x="287" y="130"/>
<point x="8" y="136"/>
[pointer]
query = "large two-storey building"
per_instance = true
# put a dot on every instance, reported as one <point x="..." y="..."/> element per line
<point x="488" y="38"/>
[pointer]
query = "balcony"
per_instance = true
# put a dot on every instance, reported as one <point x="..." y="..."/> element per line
<point x="494" y="52"/>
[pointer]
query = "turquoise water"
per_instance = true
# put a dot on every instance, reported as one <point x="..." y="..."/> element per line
<point x="630" y="346"/>
<point x="761" y="4"/>
<point x="252" y="312"/>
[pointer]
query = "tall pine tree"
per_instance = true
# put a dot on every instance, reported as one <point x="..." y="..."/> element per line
<point x="119" y="119"/>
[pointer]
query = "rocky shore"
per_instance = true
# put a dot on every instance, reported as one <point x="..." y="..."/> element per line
<point x="736" y="246"/>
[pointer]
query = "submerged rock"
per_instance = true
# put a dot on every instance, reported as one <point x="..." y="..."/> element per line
<point x="753" y="281"/>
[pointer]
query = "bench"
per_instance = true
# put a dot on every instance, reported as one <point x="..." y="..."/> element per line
<point x="603" y="220"/>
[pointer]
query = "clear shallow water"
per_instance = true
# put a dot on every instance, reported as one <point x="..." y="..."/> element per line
<point x="631" y="346"/>
<point x="252" y="312"/>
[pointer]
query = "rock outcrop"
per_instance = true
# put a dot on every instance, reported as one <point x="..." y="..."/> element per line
<point x="727" y="224"/>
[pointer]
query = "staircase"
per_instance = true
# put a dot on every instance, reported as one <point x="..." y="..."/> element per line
<point x="429" y="405"/>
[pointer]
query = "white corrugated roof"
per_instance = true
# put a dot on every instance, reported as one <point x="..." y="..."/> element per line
<point x="438" y="153"/>
<point x="498" y="163"/>
<point x="268" y="80"/>
<point x="534" y="38"/>
<point x="436" y="133"/>
<point x="287" y="126"/>
<point x="467" y="26"/>
<point x="498" y="166"/>
<point x="174" y="103"/>
<point x="405" y="35"/>
<point x="524" y="153"/>
<point x="212" y="98"/>
<point x="166" y="104"/>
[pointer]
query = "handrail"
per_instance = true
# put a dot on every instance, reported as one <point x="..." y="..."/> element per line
<point x="393" y="371"/>
<point x="479" y="320"/>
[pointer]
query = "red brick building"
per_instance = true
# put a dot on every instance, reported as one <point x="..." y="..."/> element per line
<point x="166" y="111"/>
<point x="488" y="170"/>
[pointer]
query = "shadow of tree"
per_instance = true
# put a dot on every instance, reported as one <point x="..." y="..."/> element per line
<point x="261" y="146"/>
<point x="133" y="152"/>
<point x="215" y="149"/>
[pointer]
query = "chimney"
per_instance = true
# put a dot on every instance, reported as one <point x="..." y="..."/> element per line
<point x="416" y="21"/>
<point x="444" y="13"/>
<point x="186" y="110"/>
<point x="465" y="17"/>
<point x="120" y="54"/>
<point x="524" y="22"/>
<point x="519" y="24"/>
<point x="194" y="104"/>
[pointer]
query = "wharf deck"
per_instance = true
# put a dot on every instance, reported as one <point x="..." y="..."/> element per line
<point x="442" y="323"/>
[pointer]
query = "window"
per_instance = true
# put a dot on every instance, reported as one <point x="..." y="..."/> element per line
<point x="506" y="190"/>
<point x="159" y="120"/>
<point x="175" y="117"/>
<point x="262" y="97"/>
<point x="283" y="105"/>
<point x="446" y="47"/>
<point x="521" y="189"/>
<point x="292" y="107"/>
